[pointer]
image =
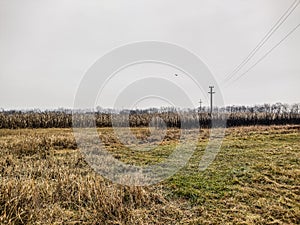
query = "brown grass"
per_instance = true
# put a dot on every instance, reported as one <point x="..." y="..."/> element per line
<point x="254" y="180"/>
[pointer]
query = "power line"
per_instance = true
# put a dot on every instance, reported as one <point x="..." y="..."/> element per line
<point x="265" y="55"/>
<point x="275" y="27"/>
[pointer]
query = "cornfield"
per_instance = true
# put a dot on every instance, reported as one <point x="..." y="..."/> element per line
<point x="277" y="114"/>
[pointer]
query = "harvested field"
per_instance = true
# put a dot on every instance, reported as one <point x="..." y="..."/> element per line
<point x="255" y="179"/>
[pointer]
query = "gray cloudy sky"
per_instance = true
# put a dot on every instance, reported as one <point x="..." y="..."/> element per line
<point x="48" y="45"/>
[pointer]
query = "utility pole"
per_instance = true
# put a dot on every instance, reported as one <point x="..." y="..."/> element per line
<point x="199" y="112"/>
<point x="200" y="105"/>
<point x="211" y="92"/>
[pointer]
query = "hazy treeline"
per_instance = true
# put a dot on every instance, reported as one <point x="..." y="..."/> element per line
<point x="267" y="114"/>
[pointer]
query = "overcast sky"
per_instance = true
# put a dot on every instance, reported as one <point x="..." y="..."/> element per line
<point x="46" y="46"/>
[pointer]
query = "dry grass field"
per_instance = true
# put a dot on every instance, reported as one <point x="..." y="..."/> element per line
<point x="255" y="179"/>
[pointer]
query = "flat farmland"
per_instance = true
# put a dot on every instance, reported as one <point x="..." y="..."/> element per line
<point x="255" y="179"/>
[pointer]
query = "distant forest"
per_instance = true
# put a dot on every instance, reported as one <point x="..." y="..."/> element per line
<point x="266" y="114"/>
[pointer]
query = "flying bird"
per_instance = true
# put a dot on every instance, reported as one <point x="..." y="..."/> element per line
<point x="176" y="75"/>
